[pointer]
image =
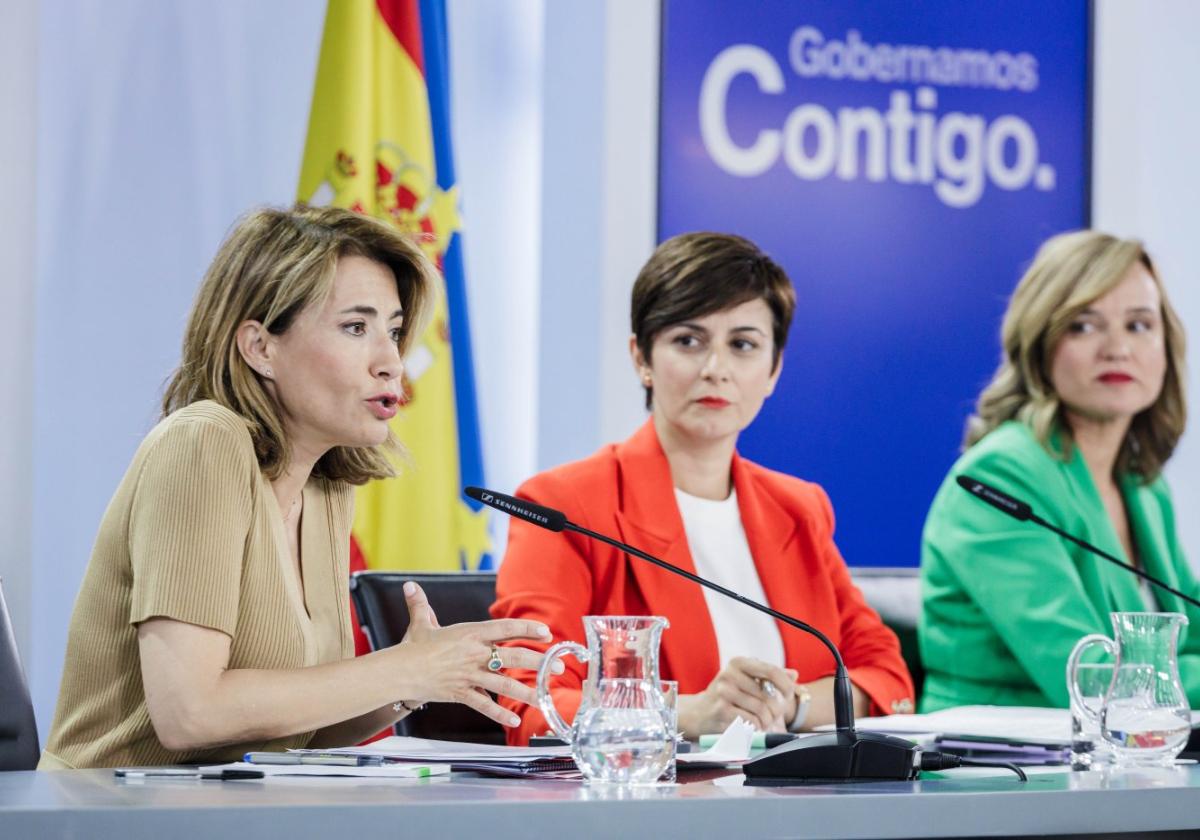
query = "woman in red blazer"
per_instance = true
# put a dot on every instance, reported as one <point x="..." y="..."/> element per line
<point x="710" y="315"/>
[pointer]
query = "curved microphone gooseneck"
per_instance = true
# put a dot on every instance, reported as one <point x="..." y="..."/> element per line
<point x="1022" y="512"/>
<point x="843" y="705"/>
<point x="841" y="755"/>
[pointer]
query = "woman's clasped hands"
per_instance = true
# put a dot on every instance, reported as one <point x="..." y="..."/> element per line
<point x="762" y="694"/>
<point x="463" y="663"/>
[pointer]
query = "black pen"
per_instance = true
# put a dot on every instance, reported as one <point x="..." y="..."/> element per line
<point x="184" y="773"/>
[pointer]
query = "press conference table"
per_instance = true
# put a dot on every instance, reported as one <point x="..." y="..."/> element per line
<point x="93" y="804"/>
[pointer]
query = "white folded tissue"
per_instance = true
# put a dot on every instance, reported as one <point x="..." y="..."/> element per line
<point x="733" y="747"/>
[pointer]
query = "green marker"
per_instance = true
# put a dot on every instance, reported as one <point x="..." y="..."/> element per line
<point x="760" y="740"/>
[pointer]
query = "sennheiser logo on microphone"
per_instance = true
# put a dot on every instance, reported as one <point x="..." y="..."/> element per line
<point x="995" y="497"/>
<point x="520" y="511"/>
<point x="487" y="498"/>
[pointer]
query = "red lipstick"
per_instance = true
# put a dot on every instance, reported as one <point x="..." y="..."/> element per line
<point x="713" y="402"/>
<point x="1115" y="378"/>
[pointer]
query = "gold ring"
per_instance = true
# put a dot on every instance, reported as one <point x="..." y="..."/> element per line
<point x="494" y="663"/>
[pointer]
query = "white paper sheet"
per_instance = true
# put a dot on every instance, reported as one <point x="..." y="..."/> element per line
<point x="733" y="747"/>
<point x="1029" y="724"/>
<point x="387" y="771"/>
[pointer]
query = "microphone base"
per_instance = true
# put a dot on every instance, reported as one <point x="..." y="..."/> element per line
<point x="845" y="756"/>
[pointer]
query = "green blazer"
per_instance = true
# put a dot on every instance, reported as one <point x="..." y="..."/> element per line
<point x="1005" y="601"/>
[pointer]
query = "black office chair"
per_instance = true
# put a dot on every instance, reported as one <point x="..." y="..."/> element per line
<point x="19" y="748"/>
<point x="455" y="597"/>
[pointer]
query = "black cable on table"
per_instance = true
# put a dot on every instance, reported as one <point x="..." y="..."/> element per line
<point x="945" y="761"/>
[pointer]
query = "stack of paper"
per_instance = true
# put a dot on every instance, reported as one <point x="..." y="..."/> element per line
<point x="1019" y="734"/>
<point x="482" y="758"/>
<point x="1026" y="724"/>
<point x="1016" y="734"/>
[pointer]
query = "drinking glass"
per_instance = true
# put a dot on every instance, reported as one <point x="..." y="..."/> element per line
<point x="1088" y="747"/>
<point x="670" y="693"/>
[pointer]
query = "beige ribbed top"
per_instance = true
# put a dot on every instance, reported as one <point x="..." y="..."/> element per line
<point x="194" y="533"/>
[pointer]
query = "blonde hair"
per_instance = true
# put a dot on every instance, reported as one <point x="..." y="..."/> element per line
<point x="1069" y="273"/>
<point x="274" y="264"/>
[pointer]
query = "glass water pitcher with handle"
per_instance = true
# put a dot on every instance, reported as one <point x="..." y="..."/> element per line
<point x="623" y="731"/>
<point x="1144" y="714"/>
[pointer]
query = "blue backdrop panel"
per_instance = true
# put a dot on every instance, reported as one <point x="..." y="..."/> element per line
<point x="902" y="160"/>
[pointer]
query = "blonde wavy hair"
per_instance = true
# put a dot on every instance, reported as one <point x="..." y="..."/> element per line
<point x="1069" y="273"/>
<point x="274" y="264"/>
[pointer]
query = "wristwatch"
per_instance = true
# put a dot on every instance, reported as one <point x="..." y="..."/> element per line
<point x="803" y="701"/>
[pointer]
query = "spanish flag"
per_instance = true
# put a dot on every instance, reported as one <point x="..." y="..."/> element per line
<point x="379" y="143"/>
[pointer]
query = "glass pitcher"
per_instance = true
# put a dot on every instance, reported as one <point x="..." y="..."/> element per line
<point x="1144" y="714"/>
<point x="622" y="731"/>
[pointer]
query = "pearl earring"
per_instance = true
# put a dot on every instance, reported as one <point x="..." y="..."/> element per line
<point x="267" y="372"/>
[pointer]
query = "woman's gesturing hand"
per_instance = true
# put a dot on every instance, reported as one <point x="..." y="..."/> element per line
<point x="761" y="693"/>
<point x="461" y="663"/>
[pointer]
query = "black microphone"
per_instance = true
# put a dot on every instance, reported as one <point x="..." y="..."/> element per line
<point x="543" y="517"/>
<point x="1022" y="511"/>
<point x="841" y="755"/>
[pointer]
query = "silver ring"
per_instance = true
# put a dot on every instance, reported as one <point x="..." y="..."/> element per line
<point x="494" y="663"/>
<point x="768" y="688"/>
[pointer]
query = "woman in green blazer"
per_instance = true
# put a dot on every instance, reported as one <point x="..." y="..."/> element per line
<point x="1086" y="407"/>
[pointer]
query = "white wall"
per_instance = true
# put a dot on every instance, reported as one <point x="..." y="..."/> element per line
<point x="158" y="123"/>
<point x="496" y="73"/>
<point x="18" y="206"/>
<point x="598" y="212"/>
<point x="1147" y="176"/>
<point x="630" y="164"/>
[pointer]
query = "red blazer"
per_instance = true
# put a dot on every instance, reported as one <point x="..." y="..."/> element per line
<point x="625" y="490"/>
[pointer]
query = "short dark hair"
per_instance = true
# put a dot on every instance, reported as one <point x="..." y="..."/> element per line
<point x="697" y="274"/>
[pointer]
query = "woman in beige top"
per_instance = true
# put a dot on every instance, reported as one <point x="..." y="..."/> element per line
<point x="214" y="616"/>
